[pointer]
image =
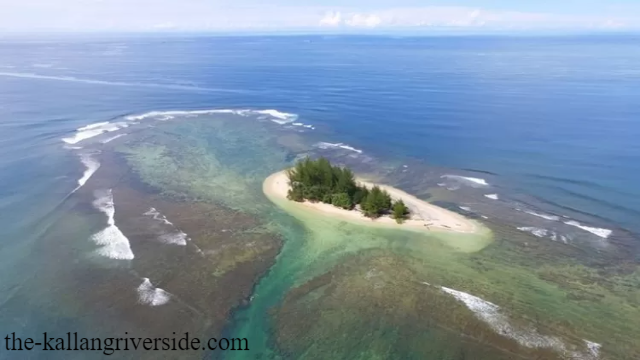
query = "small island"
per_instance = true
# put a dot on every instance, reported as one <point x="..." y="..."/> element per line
<point x="319" y="181"/>
<point x="333" y="191"/>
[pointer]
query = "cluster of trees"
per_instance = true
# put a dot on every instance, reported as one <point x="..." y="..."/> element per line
<point x="318" y="180"/>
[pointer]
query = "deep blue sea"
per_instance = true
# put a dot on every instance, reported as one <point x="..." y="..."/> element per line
<point x="557" y="118"/>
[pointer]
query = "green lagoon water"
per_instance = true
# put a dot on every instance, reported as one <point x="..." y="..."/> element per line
<point x="343" y="290"/>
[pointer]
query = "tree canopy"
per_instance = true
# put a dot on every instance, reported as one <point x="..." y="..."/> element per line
<point x="318" y="180"/>
<point x="400" y="211"/>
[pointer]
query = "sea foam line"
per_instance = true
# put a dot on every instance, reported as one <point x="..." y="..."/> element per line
<point x="492" y="196"/>
<point x="96" y="129"/>
<point x="526" y="336"/>
<point x="328" y="145"/>
<point x="540" y="215"/>
<point x="541" y="233"/>
<point x="93" y="130"/>
<point x="150" y="295"/>
<point x="176" y="237"/>
<point x="466" y="179"/>
<point x="108" y="140"/>
<point x="91" y="166"/>
<point x="603" y="233"/>
<point x="276" y="116"/>
<point x="113" y="243"/>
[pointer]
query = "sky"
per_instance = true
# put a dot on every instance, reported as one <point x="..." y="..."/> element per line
<point x="318" y="15"/>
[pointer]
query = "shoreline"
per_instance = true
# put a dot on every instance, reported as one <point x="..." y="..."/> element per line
<point x="424" y="216"/>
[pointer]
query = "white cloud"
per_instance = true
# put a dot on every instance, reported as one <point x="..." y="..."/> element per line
<point x="364" y="20"/>
<point x="466" y="17"/>
<point x="223" y="15"/>
<point x="331" y="19"/>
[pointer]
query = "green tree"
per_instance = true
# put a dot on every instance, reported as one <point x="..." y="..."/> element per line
<point x="296" y="193"/>
<point x="360" y="195"/>
<point x="376" y="202"/>
<point x="342" y="200"/>
<point x="400" y="211"/>
<point x="318" y="180"/>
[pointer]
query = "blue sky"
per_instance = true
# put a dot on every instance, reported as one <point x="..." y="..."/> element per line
<point x="319" y="15"/>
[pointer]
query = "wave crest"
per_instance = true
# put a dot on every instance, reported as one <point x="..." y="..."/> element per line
<point x="91" y="166"/>
<point x="113" y="243"/>
<point x="603" y="233"/>
<point x="467" y="180"/>
<point x="150" y="295"/>
<point x="525" y="335"/>
<point x="328" y="145"/>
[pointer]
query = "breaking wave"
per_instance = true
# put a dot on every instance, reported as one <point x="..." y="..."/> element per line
<point x="328" y="145"/>
<point x="96" y="129"/>
<point x="543" y="233"/>
<point x="603" y="233"/>
<point x="303" y="125"/>
<point x="113" y="243"/>
<point x="93" y="130"/>
<point x="157" y="216"/>
<point x="492" y="196"/>
<point x="467" y="180"/>
<point x="525" y="335"/>
<point x="150" y="295"/>
<point x="175" y="237"/>
<point x="276" y="116"/>
<point x="91" y="166"/>
<point x="540" y="215"/>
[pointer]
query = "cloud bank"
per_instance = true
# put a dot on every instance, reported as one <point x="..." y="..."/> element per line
<point x="248" y="15"/>
<point x="466" y="17"/>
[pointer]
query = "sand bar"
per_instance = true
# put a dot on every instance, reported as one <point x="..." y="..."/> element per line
<point x="424" y="216"/>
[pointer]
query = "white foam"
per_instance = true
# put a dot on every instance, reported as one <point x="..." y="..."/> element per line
<point x="328" y="145"/>
<point x="108" y="140"/>
<point x="276" y="116"/>
<point x="603" y="233"/>
<point x="157" y="216"/>
<point x="93" y="130"/>
<point x="176" y="237"/>
<point x="150" y="295"/>
<point x="594" y="348"/>
<point x="466" y="179"/>
<point x="113" y="243"/>
<point x="465" y="208"/>
<point x="525" y="335"/>
<point x="544" y="216"/>
<point x="492" y="196"/>
<point x="535" y="231"/>
<point x="92" y="165"/>
<point x="541" y="233"/>
<point x="166" y="115"/>
<point x="303" y="125"/>
<point x="279" y="117"/>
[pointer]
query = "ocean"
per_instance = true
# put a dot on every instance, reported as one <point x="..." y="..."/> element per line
<point x="546" y="127"/>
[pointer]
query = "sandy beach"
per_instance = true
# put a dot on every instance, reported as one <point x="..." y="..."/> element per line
<point x="424" y="216"/>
